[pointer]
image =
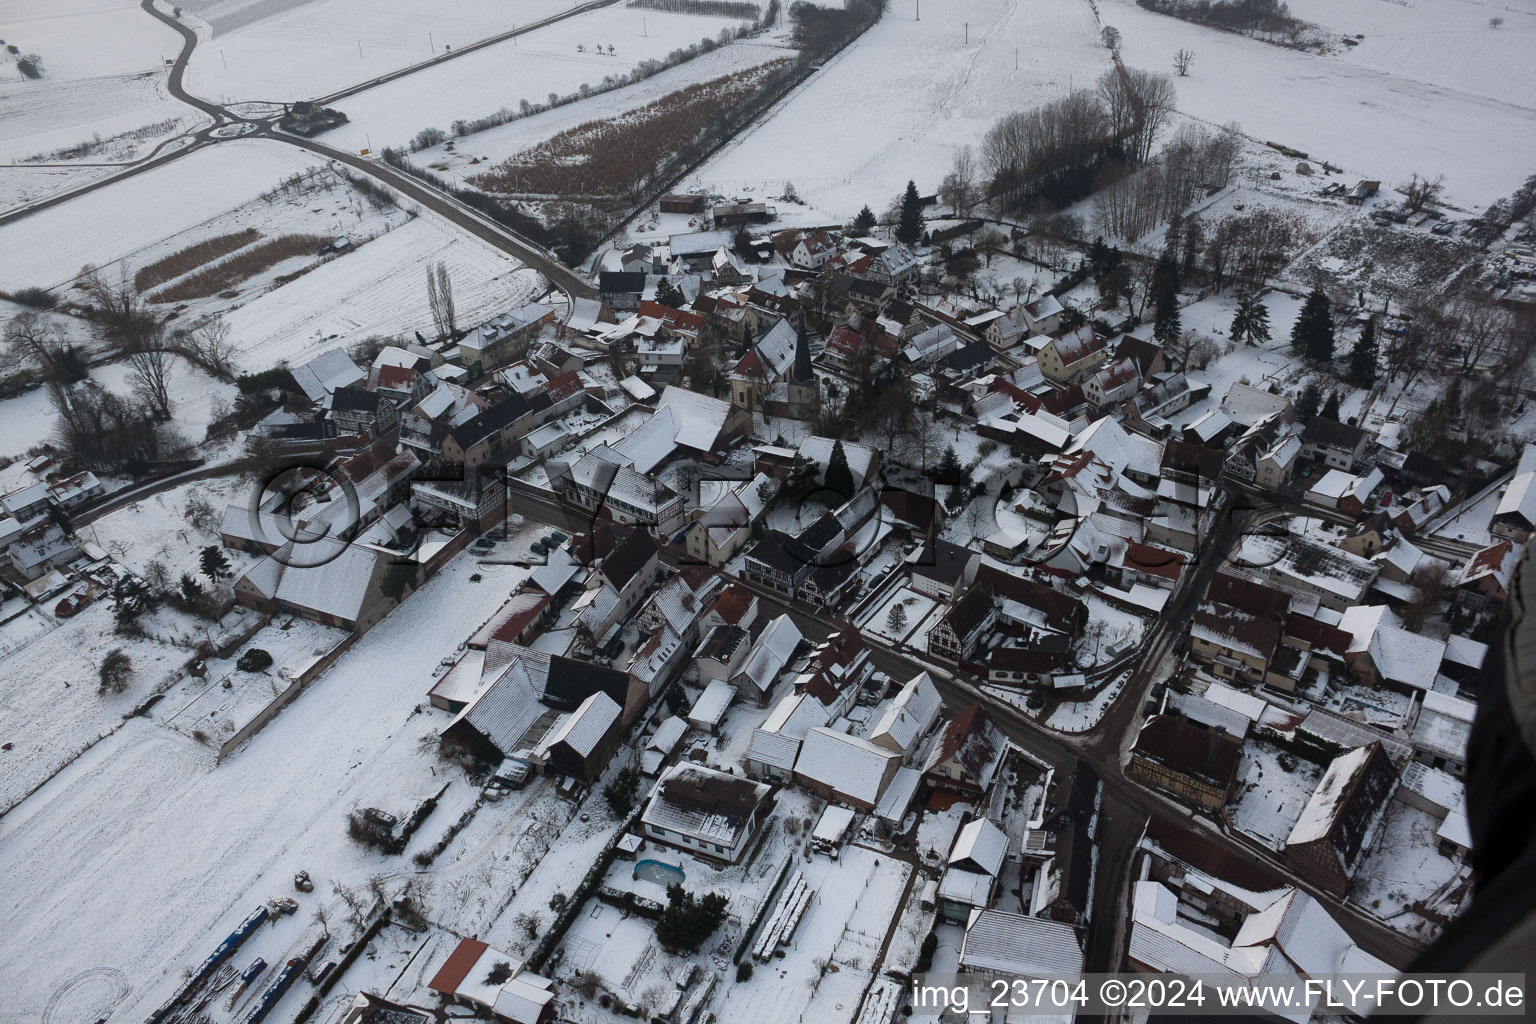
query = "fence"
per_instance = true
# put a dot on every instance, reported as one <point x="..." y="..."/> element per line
<point x="259" y="720"/>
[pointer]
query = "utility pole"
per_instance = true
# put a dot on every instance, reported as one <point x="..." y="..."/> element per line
<point x="359" y="49"/>
<point x="643" y="30"/>
<point x="431" y="46"/>
<point x="919" y="10"/>
<point x="221" y="57"/>
<point x="967" y="33"/>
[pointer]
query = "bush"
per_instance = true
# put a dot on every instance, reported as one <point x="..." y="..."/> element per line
<point x="744" y="970"/>
<point x="621" y="792"/>
<point x="37" y="298"/>
<point x="254" y="660"/>
<point x="925" y="955"/>
<point x="688" y="922"/>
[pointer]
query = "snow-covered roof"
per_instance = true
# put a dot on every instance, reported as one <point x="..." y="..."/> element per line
<point x="1020" y="946"/>
<point x="897" y="797"/>
<point x="1334" y="484"/>
<point x="325" y="373"/>
<point x="583" y="729"/>
<point x="1248" y="405"/>
<point x="1322" y="810"/>
<point x="848" y="765"/>
<point x="710" y="708"/>
<point x="911" y="713"/>
<point x="980" y="846"/>
<point x="1245" y="704"/>
<point x="832" y="824"/>
<point x="326" y="576"/>
<point x="1519" y="498"/>
<point x="774" y="647"/>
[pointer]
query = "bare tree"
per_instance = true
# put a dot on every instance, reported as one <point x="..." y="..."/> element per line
<point x="118" y="305"/>
<point x="150" y="362"/>
<point x="1153" y="100"/>
<point x="209" y="347"/>
<point x="1421" y="192"/>
<point x="30" y="337"/>
<point x="1495" y="21"/>
<point x="1182" y="61"/>
<point x="440" y="299"/>
<point x="1110" y="36"/>
<point x="958" y="189"/>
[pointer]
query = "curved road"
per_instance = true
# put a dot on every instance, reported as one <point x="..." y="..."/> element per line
<point x="229" y="125"/>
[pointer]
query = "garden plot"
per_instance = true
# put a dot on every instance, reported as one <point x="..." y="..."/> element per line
<point x="1270" y="796"/>
<point x="212" y="709"/>
<point x="473" y="153"/>
<point x="1449" y="43"/>
<point x="49" y="707"/>
<point x="157" y="528"/>
<point x="1404" y="868"/>
<point x="533" y="66"/>
<point x="48" y="248"/>
<point x="1373" y="124"/>
<point x="239" y="829"/>
<point x="897" y="627"/>
<point x="905" y="95"/>
<point x="305" y="50"/>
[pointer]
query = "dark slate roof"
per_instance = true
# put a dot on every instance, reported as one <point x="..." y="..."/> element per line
<point x="628" y="558"/>
<point x="1183" y="457"/>
<point x="498" y="417"/>
<point x="1207" y="754"/>
<point x="1332" y="433"/>
<point x="801" y="372"/>
<point x="821" y="532"/>
<point x="570" y="682"/>
<point x="611" y="282"/>
<point x="941" y="561"/>
<point x="780" y="551"/>
<point x="355" y="400"/>
<point x="978" y="353"/>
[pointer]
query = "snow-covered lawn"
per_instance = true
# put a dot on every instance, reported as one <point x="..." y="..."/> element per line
<point x="102" y="832"/>
<point x="1269" y="798"/>
<point x="915" y="608"/>
<point x="532" y="66"/>
<point x="1380" y="122"/>
<point x="1404" y="867"/>
<point x="303" y="50"/>
<point x="897" y="103"/>
<point x="21" y="184"/>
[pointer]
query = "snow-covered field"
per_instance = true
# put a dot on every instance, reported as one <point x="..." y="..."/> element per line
<point x="384" y="293"/>
<point x="377" y="289"/>
<point x="532" y="66"/>
<point x="289" y="51"/>
<point x="1448" y="43"/>
<point x="897" y="103"/>
<point x="49" y="248"/>
<point x="1374" y="123"/>
<point x="102" y="76"/>
<point x="98" y="835"/>
<point x="496" y="144"/>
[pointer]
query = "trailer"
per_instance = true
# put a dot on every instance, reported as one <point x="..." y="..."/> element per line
<point x="223" y="952"/>
<point x="282" y="983"/>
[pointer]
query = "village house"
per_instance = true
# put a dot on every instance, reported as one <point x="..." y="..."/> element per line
<point x="1337" y="445"/>
<point x="486" y="979"/>
<point x="1333" y="833"/>
<point x="706" y="812"/>
<point x="1069" y="358"/>
<point x="972" y="870"/>
<point x="967" y="757"/>
<point x="1197" y="765"/>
